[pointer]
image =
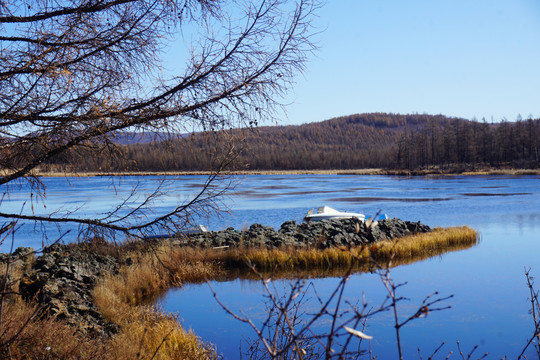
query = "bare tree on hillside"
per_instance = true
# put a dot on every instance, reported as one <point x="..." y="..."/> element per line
<point x="75" y="73"/>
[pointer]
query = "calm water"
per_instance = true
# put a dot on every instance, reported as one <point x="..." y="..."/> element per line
<point x="490" y="306"/>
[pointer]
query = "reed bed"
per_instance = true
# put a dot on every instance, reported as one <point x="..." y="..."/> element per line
<point x="402" y="250"/>
<point x="421" y="246"/>
<point x="145" y="330"/>
<point x="167" y="266"/>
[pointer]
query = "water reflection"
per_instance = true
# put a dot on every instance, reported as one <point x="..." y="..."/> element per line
<point x="490" y="306"/>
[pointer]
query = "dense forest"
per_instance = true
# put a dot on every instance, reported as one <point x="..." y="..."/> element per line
<point x="376" y="140"/>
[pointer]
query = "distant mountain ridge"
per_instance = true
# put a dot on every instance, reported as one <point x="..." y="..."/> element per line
<point x="132" y="137"/>
<point x="372" y="140"/>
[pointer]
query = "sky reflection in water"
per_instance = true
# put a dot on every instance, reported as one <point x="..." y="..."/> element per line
<point x="490" y="307"/>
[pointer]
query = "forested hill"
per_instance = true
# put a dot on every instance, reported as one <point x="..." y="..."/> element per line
<point x="376" y="140"/>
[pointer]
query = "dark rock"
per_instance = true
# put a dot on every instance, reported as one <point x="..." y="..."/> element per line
<point x="23" y="252"/>
<point x="61" y="280"/>
<point x="321" y="234"/>
<point x="416" y="227"/>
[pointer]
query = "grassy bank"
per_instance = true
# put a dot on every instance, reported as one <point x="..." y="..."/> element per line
<point x="383" y="253"/>
<point x="147" y="333"/>
<point x="27" y="334"/>
<point x="122" y="297"/>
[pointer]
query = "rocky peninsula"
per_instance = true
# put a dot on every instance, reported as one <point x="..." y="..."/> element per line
<point x="316" y="234"/>
<point x="60" y="280"/>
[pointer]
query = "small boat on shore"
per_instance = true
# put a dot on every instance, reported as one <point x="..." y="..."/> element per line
<point x="326" y="212"/>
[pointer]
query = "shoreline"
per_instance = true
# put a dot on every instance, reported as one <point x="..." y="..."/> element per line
<point x="374" y="171"/>
<point x="102" y="290"/>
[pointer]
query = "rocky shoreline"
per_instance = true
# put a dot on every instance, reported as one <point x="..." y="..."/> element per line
<point x="320" y="234"/>
<point x="61" y="279"/>
<point x="60" y="282"/>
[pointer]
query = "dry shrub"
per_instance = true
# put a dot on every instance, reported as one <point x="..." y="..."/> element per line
<point x="24" y="335"/>
<point x="98" y="245"/>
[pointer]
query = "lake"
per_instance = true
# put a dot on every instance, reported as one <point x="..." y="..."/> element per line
<point x="489" y="308"/>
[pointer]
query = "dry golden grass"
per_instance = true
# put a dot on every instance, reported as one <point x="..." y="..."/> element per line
<point x="403" y="250"/>
<point x="212" y="263"/>
<point x="158" y="336"/>
<point x="43" y="338"/>
<point x="513" y="172"/>
<point x="421" y="246"/>
<point x="169" y="266"/>
<point x="146" y="330"/>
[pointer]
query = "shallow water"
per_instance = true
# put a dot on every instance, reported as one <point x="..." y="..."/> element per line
<point x="489" y="307"/>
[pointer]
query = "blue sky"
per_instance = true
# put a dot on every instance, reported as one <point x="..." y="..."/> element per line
<point x="465" y="58"/>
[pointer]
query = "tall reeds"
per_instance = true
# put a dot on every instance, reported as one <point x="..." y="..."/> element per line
<point x="146" y="332"/>
<point x="402" y="250"/>
<point x="423" y="245"/>
<point x="167" y="266"/>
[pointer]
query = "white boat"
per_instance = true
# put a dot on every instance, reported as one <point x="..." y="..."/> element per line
<point x="325" y="213"/>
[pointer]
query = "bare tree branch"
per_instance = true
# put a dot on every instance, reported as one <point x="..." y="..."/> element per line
<point x="74" y="73"/>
